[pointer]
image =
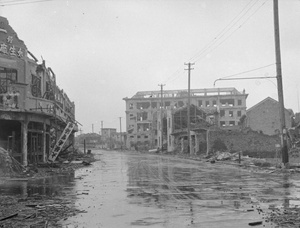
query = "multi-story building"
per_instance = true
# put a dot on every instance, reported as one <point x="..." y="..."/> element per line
<point x="33" y="110"/>
<point x="144" y="111"/>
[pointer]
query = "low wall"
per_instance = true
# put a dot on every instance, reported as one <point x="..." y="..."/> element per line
<point x="246" y="141"/>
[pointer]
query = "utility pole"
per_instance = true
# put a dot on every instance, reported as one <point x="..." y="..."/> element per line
<point x="121" y="131"/>
<point x="161" y="115"/>
<point x="102" y="134"/>
<point x="284" y="149"/>
<point x="188" y="107"/>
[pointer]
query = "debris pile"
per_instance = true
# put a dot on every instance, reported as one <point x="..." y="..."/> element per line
<point x="35" y="211"/>
<point x="6" y="164"/>
<point x="285" y="217"/>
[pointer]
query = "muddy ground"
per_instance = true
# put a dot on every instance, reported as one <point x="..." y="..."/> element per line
<point x="40" y="210"/>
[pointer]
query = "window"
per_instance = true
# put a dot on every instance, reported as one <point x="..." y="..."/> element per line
<point x="200" y="103"/>
<point x="230" y="113"/>
<point x="222" y="113"/>
<point x="231" y="123"/>
<point x="7" y="77"/>
<point x="206" y="103"/>
<point x="138" y="136"/>
<point x="222" y="123"/>
<point x="36" y="86"/>
<point x="130" y="106"/>
<point x="239" y="113"/>
<point x="239" y="102"/>
<point x="215" y="103"/>
<point x="146" y="136"/>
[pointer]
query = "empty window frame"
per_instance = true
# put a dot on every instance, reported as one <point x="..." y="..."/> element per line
<point x="214" y="103"/>
<point x="200" y="103"/>
<point x="222" y="113"/>
<point x="231" y="123"/>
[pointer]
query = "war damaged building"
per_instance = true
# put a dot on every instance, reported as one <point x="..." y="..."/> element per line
<point x="36" y="117"/>
<point x="145" y="114"/>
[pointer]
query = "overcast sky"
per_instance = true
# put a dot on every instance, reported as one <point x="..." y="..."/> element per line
<point x="105" y="50"/>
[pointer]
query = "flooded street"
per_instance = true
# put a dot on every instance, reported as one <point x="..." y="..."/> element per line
<point x="128" y="189"/>
<point x="125" y="189"/>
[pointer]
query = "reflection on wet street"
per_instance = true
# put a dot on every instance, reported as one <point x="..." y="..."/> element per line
<point x="125" y="189"/>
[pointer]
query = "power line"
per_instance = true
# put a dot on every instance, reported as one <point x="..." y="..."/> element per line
<point x="240" y="26"/>
<point x="247" y="71"/>
<point x="221" y="34"/>
<point x="225" y="29"/>
<point x="22" y="3"/>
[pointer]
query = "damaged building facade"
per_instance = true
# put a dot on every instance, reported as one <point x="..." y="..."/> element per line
<point x="34" y="113"/>
<point x="145" y="114"/>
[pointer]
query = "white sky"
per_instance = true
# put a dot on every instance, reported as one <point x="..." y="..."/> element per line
<point x="105" y="50"/>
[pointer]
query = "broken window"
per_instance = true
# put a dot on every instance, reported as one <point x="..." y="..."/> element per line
<point x="214" y="103"/>
<point x="222" y="113"/>
<point x="229" y="102"/>
<point x="230" y="113"/>
<point x="231" y="123"/>
<point x="143" y="127"/>
<point x="7" y="76"/>
<point x="153" y="104"/>
<point x="167" y="103"/>
<point x="35" y="86"/>
<point x="143" y="105"/>
<point x="142" y="116"/>
<point x="200" y="103"/>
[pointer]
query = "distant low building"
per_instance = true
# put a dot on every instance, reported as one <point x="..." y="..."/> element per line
<point x="264" y="117"/>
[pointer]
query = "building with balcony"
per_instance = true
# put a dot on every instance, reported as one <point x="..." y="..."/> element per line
<point x="145" y="114"/>
<point x="34" y="111"/>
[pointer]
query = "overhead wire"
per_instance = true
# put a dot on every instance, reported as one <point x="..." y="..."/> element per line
<point x="21" y="2"/>
<point x="221" y="34"/>
<point x="226" y="29"/>
<point x="240" y="26"/>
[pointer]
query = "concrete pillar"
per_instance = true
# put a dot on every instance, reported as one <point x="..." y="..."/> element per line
<point x="207" y="142"/>
<point x="44" y="142"/>
<point x="196" y="144"/>
<point x="24" y="128"/>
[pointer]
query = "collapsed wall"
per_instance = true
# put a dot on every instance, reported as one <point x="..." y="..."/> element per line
<point x="5" y="162"/>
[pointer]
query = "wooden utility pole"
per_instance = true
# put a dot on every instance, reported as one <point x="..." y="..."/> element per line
<point x="161" y="115"/>
<point x="102" y="134"/>
<point x="121" y="131"/>
<point x="284" y="149"/>
<point x="189" y="106"/>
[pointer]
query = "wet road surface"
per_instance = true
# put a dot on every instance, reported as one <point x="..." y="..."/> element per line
<point x="126" y="189"/>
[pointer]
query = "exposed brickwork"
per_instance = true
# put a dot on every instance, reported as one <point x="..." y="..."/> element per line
<point x="245" y="141"/>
